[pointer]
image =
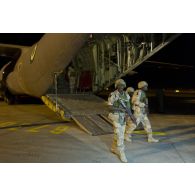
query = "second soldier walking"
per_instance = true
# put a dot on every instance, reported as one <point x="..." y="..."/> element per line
<point x="140" y="107"/>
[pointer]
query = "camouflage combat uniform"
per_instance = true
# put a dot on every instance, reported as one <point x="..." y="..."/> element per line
<point x="140" y="103"/>
<point x="140" y="107"/>
<point x="118" y="117"/>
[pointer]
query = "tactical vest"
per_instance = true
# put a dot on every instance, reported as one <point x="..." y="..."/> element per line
<point x="143" y="98"/>
<point x="124" y="98"/>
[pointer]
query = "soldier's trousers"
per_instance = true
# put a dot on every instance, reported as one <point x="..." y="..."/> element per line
<point x="118" y="139"/>
<point x="130" y="126"/>
<point x="140" y="118"/>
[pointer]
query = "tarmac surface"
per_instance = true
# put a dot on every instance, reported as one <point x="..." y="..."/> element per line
<point x="31" y="133"/>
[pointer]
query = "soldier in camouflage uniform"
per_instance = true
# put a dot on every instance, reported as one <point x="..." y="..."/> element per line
<point x="130" y="91"/>
<point x="140" y="107"/>
<point x="118" y="117"/>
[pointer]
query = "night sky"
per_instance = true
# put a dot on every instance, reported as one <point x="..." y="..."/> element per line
<point x="178" y="73"/>
<point x="25" y="39"/>
<point x="180" y="51"/>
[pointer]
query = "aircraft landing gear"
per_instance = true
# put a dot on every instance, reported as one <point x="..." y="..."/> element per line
<point x="9" y="98"/>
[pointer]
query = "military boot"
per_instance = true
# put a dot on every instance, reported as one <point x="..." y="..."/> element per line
<point x="127" y="137"/>
<point x="122" y="156"/>
<point x="113" y="150"/>
<point x="151" y="139"/>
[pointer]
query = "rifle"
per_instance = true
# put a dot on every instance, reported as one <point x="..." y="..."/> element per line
<point x="127" y="110"/>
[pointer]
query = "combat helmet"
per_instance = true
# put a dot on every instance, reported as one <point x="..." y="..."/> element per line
<point x="119" y="82"/>
<point x="142" y="84"/>
<point x="130" y="90"/>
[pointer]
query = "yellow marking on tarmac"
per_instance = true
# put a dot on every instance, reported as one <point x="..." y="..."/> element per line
<point x="5" y="124"/>
<point x="35" y="130"/>
<point x="142" y="132"/>
<point x="59" y="130"/>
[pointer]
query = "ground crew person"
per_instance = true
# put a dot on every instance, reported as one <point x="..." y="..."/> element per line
<point x="72" y="78"/>
<point x="140" y="107"/>
<point x="118" y="117"/>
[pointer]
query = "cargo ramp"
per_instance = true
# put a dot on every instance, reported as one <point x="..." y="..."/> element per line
<point x="87" y="110"/>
